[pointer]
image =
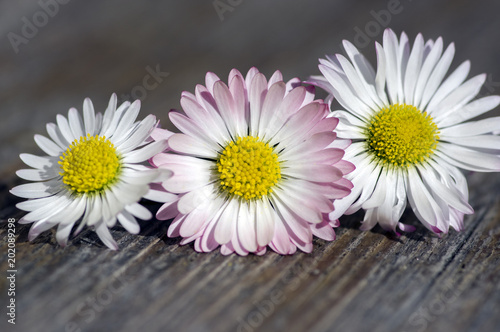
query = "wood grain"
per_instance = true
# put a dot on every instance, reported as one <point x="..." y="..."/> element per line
<point x="362" y="281"/>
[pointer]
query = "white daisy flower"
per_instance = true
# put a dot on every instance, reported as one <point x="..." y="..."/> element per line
<point x="92" y="173"/>
<point x="256" y="165"/>
<point x="411" y="132"/>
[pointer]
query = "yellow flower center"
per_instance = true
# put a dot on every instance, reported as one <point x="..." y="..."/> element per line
<point x="90" y="164"/>
<point x="248" y="168"/>
<point x="402" y="135"/>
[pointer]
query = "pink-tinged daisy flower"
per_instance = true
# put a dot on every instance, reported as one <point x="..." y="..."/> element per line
<point x="92" y="174"/>
<point x="411" y="132"/>
<point x="256" y="165"/>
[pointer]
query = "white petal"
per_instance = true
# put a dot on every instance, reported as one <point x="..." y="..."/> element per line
<point x="38" y="175"/>
<point x="379" y="193"/>
<point x="73" y="212"/>
<point x="469" y="159"/>
<point x="300" y="209"/>
<point x="52" y="207"/>
<point x="139" y="211"/>
<point x="380" y="78"/>
<point x="276" y="77"/>
<point x="270" y="106"/>
<point x="264" y="226"/>
<point x="145" y="152"/>
<point x="246" y="227"/>
<point x="314" y="143"/>
<point x="128" y="222"/>
<point x="363" y="67"/>
<point x="224" y="228"/>
<point x="62" y="233"/>
<point x="211" y="122"/>
<point x="39" y="162"/>
<point x="314" y="172"/>
<point x="237" y="89"/>
<point x="210" y="79"/>
<point x="256" y="95"/>
<point x="142" y="177"/>
<point x="413" y="69"/>
<point x="48" y="146"/>
<point x="34" y="204"/>
<point x="469" y="111"/>
<point x="105" y="236"/>
<point x="195" y="222"/>
<point x="38" y="228"/>
<point x="160" y="196"/>
<point x="226" y="106"/>
<point x="187" y="178"/>
<point x="126" y="122"/>
<point x="116" y="116"/>
<point x="472" y="128"/>
<point x="95" y="204"/>
<point x="89" y="117"/>
<point x="63" y="125"/>
<point x="75" y="123"/>
<point x="421" y="200"/>
<point x="452" y="198"/>
<point x="385" y="212"/>
<point x="390" y="51"/>
<point x="366" y="179"/>
<point x="298" y="227"/>
<point x="195" y="198"/>
<point x="459" y="97"/>
<point x="138" y="137"/>
<point x="477" y="142"/>
<point x="343" y="94"/>
<point x="188" y="145"/>
<point x="437" y="75"/>
<point x="37" y="189"/>
<point x="108" y="114"/>
<point x="192" y="129"/>
<point x="426" y="70"/>
<point x="450" y="84"/>
<point x="56" y="135"/>
<point x="281" y="240"/>
<point x="360" y="88"/>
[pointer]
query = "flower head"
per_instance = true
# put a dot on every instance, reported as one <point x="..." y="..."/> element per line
<point x="92" y="174"/>
<point x="411" y="132"/>
<point x="256" y="165"/>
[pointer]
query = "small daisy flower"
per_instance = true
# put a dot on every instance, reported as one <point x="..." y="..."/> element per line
<point x="92" y="173"/>
<point x="256" y="165"/>
<point x="410" y="132"/>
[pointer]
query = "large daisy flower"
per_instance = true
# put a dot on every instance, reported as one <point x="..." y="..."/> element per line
<point x="256" y="165"/>
<point x="92" y="172"/>
<point x="411" y="132"/>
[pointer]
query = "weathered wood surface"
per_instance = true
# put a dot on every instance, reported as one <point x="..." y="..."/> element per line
<point x="363" y="281"/>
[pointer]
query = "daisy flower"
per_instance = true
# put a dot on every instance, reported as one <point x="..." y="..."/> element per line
<point x="92" y="173"/>
<point x="410" y="132"/>
<point x="255" y="165"/>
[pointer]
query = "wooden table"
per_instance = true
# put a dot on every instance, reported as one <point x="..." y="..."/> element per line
<point x="363" y="281"/>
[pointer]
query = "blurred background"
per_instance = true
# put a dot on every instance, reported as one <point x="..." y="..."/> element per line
<point x="54" y="53"/>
